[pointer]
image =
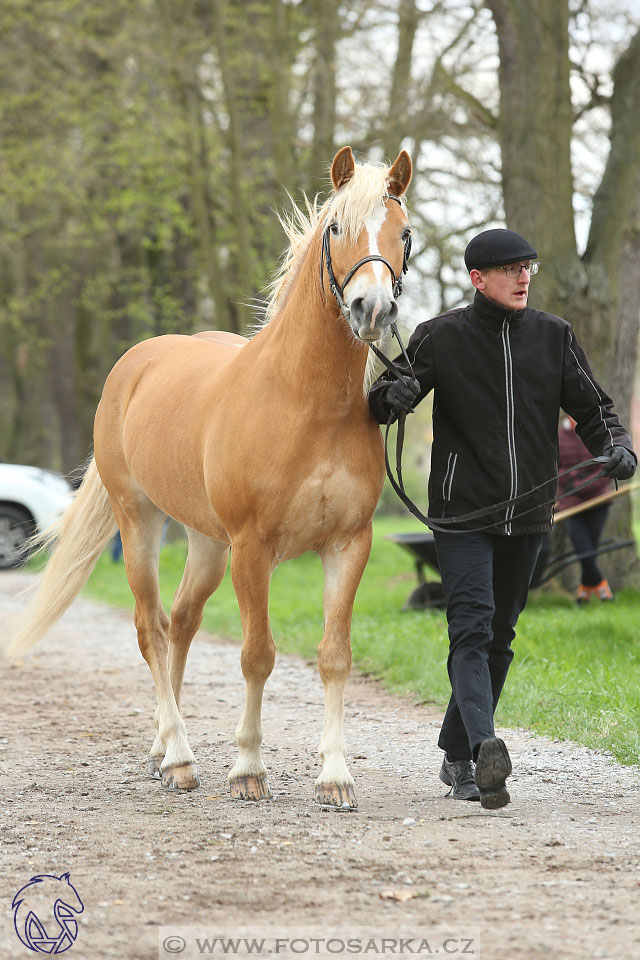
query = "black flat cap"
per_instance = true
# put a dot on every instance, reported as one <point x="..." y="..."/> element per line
<point x="494" y="248"/>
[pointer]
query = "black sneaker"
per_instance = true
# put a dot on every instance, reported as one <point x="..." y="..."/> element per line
<point x="458" y="774"/>
<point x="493" y="766"/>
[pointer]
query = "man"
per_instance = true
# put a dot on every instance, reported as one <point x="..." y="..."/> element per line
<point x="500" y="372"/>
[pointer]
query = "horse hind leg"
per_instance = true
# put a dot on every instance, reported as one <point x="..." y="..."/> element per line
<point x="343" y="568"/>
<point x="140" y="523"/>
<point x="203" y="573"/>
<point x="251" y="568"/>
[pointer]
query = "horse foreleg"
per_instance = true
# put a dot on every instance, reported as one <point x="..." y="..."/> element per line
<point x="251" y="569"/>
<point x="343" y="569"/>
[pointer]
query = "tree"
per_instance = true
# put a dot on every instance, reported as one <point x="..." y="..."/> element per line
<point x="598" y="291"/>
<point x="91" y="217"/>
<point x="147" y="145"/>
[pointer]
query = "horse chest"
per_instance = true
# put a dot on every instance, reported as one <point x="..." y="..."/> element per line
<point x="329" y="504"/>
<point x="329" y="491"/>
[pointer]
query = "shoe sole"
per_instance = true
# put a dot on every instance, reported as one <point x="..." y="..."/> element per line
<point x="444" y="777"/>
<point x="492" y="769"/>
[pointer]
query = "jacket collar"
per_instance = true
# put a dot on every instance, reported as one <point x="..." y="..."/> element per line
<point x="493" y="314"/>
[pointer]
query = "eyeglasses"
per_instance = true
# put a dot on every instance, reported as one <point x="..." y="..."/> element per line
<point x="513" y="270"/>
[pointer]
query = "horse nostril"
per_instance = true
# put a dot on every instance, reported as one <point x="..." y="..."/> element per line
<point x="356" y="308"/>
<point x="380" y="310"/>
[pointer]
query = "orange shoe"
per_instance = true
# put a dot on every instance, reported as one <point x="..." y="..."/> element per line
<point x="603" y="591"/>
<point x="584" y="594"/>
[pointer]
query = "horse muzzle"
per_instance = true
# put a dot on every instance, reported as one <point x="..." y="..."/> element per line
<point x="371" y="315"/>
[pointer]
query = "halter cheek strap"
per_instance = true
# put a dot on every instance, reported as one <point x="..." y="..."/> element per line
<point x="338" y="289"/>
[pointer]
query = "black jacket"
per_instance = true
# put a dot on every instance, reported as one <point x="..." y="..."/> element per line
<point x="499" y="379"/>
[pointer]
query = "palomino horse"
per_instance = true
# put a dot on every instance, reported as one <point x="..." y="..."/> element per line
<point x="263" y="445"/>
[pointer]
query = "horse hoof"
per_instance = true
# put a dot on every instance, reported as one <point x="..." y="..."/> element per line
<point x="153" y="766"/>
<point x="250" y="787"/>
<point x="183" y="776"/>
<point x="334" y="796"/>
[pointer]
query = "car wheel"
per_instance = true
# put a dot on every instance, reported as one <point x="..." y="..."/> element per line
<point x="16" y="526"/>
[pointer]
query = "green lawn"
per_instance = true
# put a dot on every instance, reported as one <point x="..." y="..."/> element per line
<point x="576" y="673"/>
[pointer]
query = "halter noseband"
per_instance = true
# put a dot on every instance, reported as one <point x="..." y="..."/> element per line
<point x="338" y="290"/>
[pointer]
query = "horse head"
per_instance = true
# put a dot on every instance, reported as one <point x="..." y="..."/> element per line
<point x="366" y="241"/>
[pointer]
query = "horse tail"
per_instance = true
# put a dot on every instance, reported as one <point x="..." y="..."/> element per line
<point x="79" y="536"/>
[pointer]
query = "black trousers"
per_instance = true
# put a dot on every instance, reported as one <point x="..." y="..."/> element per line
<point x="486" y="580"/>
<point x="585" y="530"/>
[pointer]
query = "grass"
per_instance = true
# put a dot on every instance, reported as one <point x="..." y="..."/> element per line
<point x="575" y="676"/>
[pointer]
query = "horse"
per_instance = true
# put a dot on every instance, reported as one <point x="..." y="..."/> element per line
<point x="262" y="445"/>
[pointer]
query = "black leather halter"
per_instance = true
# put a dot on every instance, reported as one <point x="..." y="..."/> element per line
<point x="338" y="289"/>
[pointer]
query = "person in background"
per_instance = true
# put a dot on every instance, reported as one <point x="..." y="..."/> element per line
<point x="584" y="528"/>
<point x="116" y="547"/>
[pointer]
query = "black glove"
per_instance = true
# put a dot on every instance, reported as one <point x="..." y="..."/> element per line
<point x="400" y="396"/>
<point x="621" y="464"/>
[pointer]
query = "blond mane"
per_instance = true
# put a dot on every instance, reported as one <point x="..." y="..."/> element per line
<point x="352" y="206"/>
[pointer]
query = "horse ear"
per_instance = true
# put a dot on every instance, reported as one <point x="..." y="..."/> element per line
<point x="400" y="174"/>
<point x="342" y="168"/>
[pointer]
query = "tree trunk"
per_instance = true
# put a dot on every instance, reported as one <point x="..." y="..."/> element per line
<point x="202" y="205"/>
<point x="535" y="136"/>
<point x="397" y="112"/>
<point x="327" y="30"/>
<point x="613" y="261"/>
<point x="600" y="292"/>
<point x="282" y="127"/>
<point x="184" y="71"/>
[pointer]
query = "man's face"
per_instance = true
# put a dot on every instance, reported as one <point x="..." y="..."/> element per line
<point x="508" y="292"/>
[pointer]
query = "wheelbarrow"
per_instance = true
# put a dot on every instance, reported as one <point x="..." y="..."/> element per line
<point x="422" y="548"/>
<point x="549" y="565"/>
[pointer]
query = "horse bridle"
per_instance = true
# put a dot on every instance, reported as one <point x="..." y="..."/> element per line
<point x="338" y="289"/>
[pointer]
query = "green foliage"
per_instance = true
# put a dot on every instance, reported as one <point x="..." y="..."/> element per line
<point x="575" y="675"/>
<point x="144" y="144"/>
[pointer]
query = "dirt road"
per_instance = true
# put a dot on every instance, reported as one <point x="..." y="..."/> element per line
<point x="556" y="874"/>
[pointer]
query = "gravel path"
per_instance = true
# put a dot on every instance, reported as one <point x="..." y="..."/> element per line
<point x="556" y="874"/>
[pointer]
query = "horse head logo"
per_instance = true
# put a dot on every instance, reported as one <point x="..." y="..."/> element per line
<point x="54" y="928"/>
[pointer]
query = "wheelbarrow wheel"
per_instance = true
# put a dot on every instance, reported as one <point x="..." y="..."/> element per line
<point x="427" y="595"/>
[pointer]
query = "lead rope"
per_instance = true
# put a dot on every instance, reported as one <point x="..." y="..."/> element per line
<point x="399" y="485"/>
<point x="443" y="524"/>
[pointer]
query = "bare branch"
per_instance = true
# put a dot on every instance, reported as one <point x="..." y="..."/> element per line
<point x="482" y="113"/>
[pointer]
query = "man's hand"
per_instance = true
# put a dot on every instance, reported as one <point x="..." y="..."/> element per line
<point x="401" y="395"/>
<point x="621" y="464"/>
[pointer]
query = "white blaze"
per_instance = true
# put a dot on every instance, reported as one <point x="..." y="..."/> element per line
<point x="373" y="229"/>
<point x="361" y="283"/>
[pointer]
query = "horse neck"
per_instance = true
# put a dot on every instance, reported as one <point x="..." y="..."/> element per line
<point x="312" y="336"/>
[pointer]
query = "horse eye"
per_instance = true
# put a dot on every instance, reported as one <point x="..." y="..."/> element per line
<point x="335" y="229"/>
<point x="406" y="234"/>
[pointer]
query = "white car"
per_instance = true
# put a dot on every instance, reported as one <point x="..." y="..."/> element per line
<point x="30" y="499"/>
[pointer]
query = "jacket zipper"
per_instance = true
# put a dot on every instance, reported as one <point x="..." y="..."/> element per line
<point x="511" y="440"/>
<point x="448" y="477"/>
